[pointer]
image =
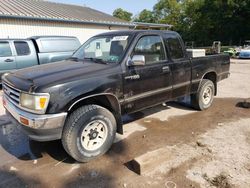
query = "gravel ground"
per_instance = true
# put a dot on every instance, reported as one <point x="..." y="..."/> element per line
<point x="227" y="156"/>
<point x="238" y="84"/>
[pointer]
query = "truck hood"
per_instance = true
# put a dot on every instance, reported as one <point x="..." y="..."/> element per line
<point x="54" y="73"/>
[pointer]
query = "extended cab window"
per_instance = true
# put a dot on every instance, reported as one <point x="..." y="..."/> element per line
<point x="175" y="47"/>
<point x="5" y="50"/>
<point x="22" y="48"/>
<point x="152" y="48"/>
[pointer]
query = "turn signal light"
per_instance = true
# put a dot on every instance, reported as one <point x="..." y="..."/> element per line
<point x="42" y="102"/>
<point x="24" y="121"/>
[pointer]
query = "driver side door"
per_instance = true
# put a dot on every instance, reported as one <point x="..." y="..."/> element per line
<point x="148" y="83"/>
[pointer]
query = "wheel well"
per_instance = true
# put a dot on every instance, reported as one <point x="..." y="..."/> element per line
<point x="213" y="77"/>
<point x="109" y="102"/>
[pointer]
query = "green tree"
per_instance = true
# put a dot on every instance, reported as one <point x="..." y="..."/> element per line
<point x="145" y="16"/>
<point x="224" y="20"/>
<point x="205" y="21"/>
<point x="202" y="21"/>
<point x="122" y="14"/>
<point x="192" y="26"/>
<point x="168" y="12"/>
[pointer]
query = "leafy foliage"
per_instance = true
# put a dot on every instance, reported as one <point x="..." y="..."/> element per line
<point x="146" y="16"/>
<point x="122" y="14"/>
<point x="203" y="21"/>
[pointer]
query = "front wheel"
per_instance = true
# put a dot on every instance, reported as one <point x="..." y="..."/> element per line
<point x="89" y="132"/>
<point x="203" y="99"/>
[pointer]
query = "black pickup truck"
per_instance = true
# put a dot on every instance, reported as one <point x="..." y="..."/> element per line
<point x="81" y="100"/>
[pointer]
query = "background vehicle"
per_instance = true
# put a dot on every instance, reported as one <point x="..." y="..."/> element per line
<point x="214" y="49"/>
<point x="231" y="51"/>
<point x="21" y="53"/>
<point x="81" y="100"/>
<point x="246" y="44"/>
<point x="245" y="53"/>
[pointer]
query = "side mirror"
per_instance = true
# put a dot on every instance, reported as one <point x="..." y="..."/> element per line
<point x="137" y="60"/>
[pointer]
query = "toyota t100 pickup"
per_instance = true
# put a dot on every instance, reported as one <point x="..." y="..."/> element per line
<point x="81" y="100"/>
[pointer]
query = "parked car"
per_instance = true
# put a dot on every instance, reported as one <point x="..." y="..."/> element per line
<point x="81" y="100"/>
<point x="245" y="53"/>
<point x="231" y="51"/>
<point x="20" y="53"/>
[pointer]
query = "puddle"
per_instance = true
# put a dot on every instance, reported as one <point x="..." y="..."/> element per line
<point x="20" y="146"/>
<point x="244" y="104"/>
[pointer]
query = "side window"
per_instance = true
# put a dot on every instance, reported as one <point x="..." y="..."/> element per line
<point x="5" y="50"/>
<point x="22" y="48"/>
<point x="152" y="48"/>
<point x="175" y="47"/>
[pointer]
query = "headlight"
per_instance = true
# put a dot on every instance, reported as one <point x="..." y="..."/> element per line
<point x="35" y="102"/>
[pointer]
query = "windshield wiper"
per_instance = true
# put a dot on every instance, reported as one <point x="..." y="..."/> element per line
<point x="96" y="60"/>
<point x="73" y="58"/>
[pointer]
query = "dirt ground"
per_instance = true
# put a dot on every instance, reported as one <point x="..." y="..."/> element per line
<point x="207" y="149"/>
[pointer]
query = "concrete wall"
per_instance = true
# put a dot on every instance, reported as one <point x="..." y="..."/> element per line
<point x="14" y="28"/>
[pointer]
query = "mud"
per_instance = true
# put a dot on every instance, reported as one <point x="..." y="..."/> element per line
<point x="47" y="164"/>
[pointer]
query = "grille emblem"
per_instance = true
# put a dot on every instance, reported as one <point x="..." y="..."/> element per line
<point x="7" y="91"/>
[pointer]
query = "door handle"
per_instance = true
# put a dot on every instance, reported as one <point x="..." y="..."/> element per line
<point x="166" y="69"/>
<point x="9" y="60"/>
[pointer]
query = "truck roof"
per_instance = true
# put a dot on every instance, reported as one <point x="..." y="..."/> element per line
<point x="52" y="36"/>
<point x="37" y="37"/>
<point x="10" y="39"/>
<point x="136" y="32"/>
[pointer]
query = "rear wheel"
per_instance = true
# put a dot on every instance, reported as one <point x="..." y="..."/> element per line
<point x="203" y="99"/>
<point x="89" y="132"/>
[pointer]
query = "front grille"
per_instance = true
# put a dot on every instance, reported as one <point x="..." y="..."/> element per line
<point x="12" y="93"/>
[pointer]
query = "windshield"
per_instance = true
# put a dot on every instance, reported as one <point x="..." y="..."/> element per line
<point x="107" y="49"/>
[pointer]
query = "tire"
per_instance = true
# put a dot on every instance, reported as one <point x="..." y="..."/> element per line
<point x="201" y="102"/>
<point x="89" y="132"/>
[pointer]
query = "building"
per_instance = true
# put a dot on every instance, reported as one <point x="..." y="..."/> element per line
<point x="25" y="18"/>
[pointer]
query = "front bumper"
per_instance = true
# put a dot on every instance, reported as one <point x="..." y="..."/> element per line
<point x="39" y="127"/>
